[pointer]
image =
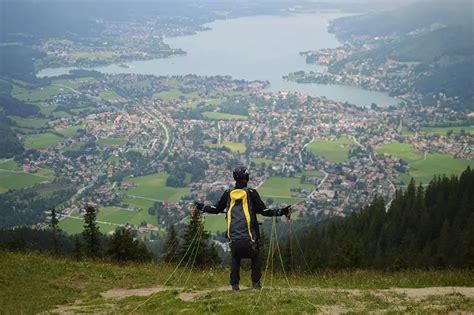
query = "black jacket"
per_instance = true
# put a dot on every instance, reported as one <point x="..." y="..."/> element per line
<point x="257" y="206"/>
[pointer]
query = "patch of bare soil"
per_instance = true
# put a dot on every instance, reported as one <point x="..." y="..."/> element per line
<point x="122" y="293"/>
<point x="191" y="296"/>
<point x="420" y="293"/>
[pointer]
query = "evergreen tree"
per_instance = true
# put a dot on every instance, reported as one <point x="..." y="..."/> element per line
<point x="122" y="247"/>
<point x="91" y="233"/>
<point x="196" y="239"/>
<point x="424" y="227"/>
<point x="54" y="226"/>
<point x="77" y="252"/>
<point x="170" y="250"/>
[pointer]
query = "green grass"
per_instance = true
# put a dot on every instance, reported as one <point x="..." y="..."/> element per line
<point x="444" y="130"/>
<point x="233" y="146"/>
<point x="93" y="55"/>
<point x="436" y="164"/>
<point x="154" y="187"/>
<point x="75" y="83"/>
<point x="174" y="94"/>
<point x="215" y="223"/>
<point x="9" y="180"/>
<point x="69" y="131"/>
<point x="333" y="151"/>
<point x="38" y="94"/>
<point x="10" y="165"/>
<point x="41" y="140"/>
<point x="30" y="123"/>
<point x="110" y="96"/>
<point x="266" y="161"/>
<point x="279" y="189"/>
<point x="403" y="151"/>
<point x="78" y="146"/>
<point x="138" y="84"/>
<point x="114" y="215"/>
<point x="313" y="173"/>
<point x="76" y="226"/>
<point x="423" y="170"/>
<point x="142" y="204"/>
<point x="35" y="283"/>
<point x="112" y="141"/>
<point x="223" y="116"/>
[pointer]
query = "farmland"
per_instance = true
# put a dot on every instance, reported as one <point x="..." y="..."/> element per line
<point x="41" y="140"/>
<point x="223" y="116"/>
<point x="333" y="151"/>
<point x="233" y="146"/>
<point x="279" y="189"/>
<point x="154" y="187"/>
<point x="422" y="168"/>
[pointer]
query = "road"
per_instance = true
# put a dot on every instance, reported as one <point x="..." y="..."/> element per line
<point x="163" y="125"/>
<point x="304" y="147"/>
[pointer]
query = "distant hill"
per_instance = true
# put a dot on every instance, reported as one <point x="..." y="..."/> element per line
<point x="406" y="19"/>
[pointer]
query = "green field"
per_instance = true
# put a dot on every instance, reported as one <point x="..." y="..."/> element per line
<point x="114" y="215"/>
<point x="423" y="170"/>
<point x="70" y="131"/>
<point x="279" y="189"/>
<point x="444" y="130"/>
<point x="110" y="96"/>
<point x="223" y="116"/>
<point x="401" y="150"/>
<point x="174" y="94"/>
<point x="10" y="165"/>
<point x="215" y="223"/>
<point x="39" y="94"/>
<point x="75" y="83"/>
<point x="41" y="140"/>
<point x="35" y="283"/>
<point x="93" y="55"/>
<point x="112" y="141"/>
<point x="266" y="161"/>
<point x="30" y="122"/>
<point x="138" y="203"/>
<point x="313" y="173"/>
<point x="333" y="151"/>
<point x="154" y="187"/>
<point x="436" y="164"/>
<point x="233" y="146"/>
<point x="76" y="226"/>
<point x="10" y="180"/>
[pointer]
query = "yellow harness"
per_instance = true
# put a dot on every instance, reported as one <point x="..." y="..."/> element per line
<point x="239" y="194"/>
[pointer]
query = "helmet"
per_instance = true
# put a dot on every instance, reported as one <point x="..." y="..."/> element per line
<point x="241" y="173"/>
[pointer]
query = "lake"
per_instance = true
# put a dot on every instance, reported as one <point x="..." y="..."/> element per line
<point x="253" y="48"/>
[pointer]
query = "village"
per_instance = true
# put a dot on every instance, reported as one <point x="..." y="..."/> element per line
<point x="146" y="157"/>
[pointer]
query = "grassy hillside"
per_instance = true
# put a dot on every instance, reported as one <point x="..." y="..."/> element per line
<point x="33" y="283"/>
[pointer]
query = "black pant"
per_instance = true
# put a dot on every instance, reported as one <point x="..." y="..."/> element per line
<point x="245" y="249"/>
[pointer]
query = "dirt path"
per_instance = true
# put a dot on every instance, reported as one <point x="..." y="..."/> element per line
<point x="412" y="293"/>
<point x="396" y="297"/>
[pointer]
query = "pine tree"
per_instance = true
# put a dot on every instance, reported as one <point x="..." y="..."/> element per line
<point x="196" y="239"/>
<point x="122" y="247"/>
<point x="56" y="230"/>
<point x="91" y="232"/>
<point x="170" y="251"/>
<point x="77" y="252"/>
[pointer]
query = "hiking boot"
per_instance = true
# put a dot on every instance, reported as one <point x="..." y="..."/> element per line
<point x="257" y="285"/>
<point x="235" y="287"/>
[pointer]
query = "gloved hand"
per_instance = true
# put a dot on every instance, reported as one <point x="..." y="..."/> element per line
<point x="199" y="206"/>
<point x="284" y="211"/>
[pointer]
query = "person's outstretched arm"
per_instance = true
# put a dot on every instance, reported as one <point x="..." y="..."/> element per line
<point x="260" y="207"/>
<point x="217" y="208"/>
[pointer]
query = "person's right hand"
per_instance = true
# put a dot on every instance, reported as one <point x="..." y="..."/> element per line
<point x="285" y="211"/>
<point x="199" y="206"/>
